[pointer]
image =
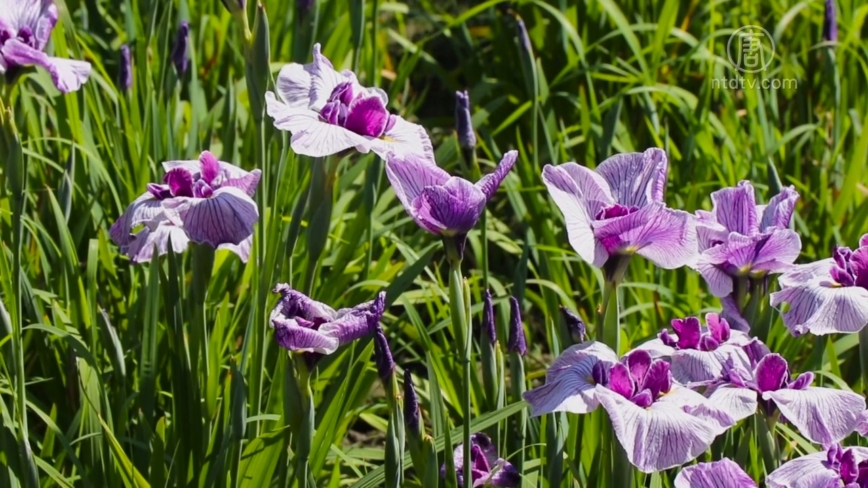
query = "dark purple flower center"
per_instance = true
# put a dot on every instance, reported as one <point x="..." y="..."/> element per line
<point x="359" y="113"/>
<point x="616" y="210"/>
<point x="25" y="35"/>
<point x="852" y="474"/>
<point x="638" y="378"/>
<point x="690" y="335"/>
<point x="851" y="267"/>
<point x="180" y="182"/>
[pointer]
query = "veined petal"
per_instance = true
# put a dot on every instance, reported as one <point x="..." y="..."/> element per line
<point x="324" y="79"/>
<point x="822" y="309"/>
<point x="659" y="437"/>
<point x="242" y="250"/>
<point x="739" y="403"/>
<point x="491" y="182"/>
<point x="569" y="382"/>
<point x="779" y="212"/>
<point x="657" y="348"/>
<point x="735" y="208"/>
<point x="566" y="193"/>
<point x="405" y="140"/>
<point x="67" y="74"/>
<point x="29" y="13"/>
<point x="719" y="281"/>
<point x="718" y="474"/>
<point x="822" y="415"/>
<point x="709" y="232"/>
<point x="410" y="176"/>
<point x="803" y="273"/>
<point x="636" y="179"/>
<point x="811" y="471"/>
<point x="311" y="136"/>
<point x="143" y="243"/>
<point x="294" y="337"/>
<point x="453" y="208"/>
<point x="142" y="210"/>
<point x="226" y="217"/>
<point x="771" y="252"/>
<point x="693" y="365"/>
<point x="294" y="85"/>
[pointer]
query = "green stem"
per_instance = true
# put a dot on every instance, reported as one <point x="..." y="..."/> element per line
<point x="766" y="439"/>
<point x="608" y="330"/>
<point x="863" y="356"/>
<point x="305" y="438"/>
<point x="462" y="334"/>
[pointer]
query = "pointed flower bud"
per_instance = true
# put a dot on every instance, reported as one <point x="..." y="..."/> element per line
<point x="411" y="405"/>
<point x="125" y="74"/>
<point x="523" y="38"/>
<point x="383" y="356"/>
<point x="488" y="329"/>
<point x="235" y="6"/>
<point x="180" y="53"/>
<point x="830" y="22"/>
<point x="575" y="324"/>
<point x="463" y="124"/>
<point x="517" y="340"/>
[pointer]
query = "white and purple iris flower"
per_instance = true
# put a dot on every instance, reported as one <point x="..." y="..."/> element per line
<point x="718" y="474"/>
<point x="487" y="469"/>
<point x="618" y="210"/>
<point x="821" y="415"/>
<point x="837" y="466"/>
<point x="328" y="111"/>
<point x="659" y="423"/>
<point x="442" y="204"/>
<point x="25" y="29"/>
<point x="698" y="353"/>
<point x="827" y="296"/>
<point x="206" y="201"/>
<point x="302" y="324"/>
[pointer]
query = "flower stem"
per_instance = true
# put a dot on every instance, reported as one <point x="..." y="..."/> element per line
<point x="608" y="328"/>
<point x="305" y="438"/>
<point x="863" y="356"/>
<point x="462" y="335"/>
<point x="766" y="440"/>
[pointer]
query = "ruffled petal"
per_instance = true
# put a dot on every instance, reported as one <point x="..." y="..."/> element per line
<point x="822" y="309"/>
<point x="718" y="474"/>
<point x="693" y="365"/>
<point x="569" y="385"/>
<point x="811" y="471"/>
<point x="659" y="437"/>
<point x="324" y="79"/>
<point x="636" y="179"/>
<point x="739" y="403"/>
<point x="294" y="85"/>
<point x="822" y="415"/>
<point x="38" y="15"/>
<point x="801" y="274"/>
<point x="779" y="212"/>
<point x="404" y="139"/>
<point x="67" y="74"/>
<point x="719" y="281"/>
<point x="772" y="252"/>
<point x="294" y="337"/>
<point x="656" y="348"/>
<point x="491" y="182"/>
<point x="226" y="217"/>
<point x="453" y="208"/>
<point x="735" y="208"/>
<point x="564" y="187"/>
<point x="409" y="176"/>
<point x="143" y="243"/>
<point x="242" y="250"/>
<point x="143" y="209"/>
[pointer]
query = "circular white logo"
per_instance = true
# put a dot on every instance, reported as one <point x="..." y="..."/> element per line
<point x="750" y="49"/>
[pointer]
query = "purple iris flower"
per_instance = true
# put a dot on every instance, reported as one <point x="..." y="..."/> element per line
<point x="659" y="423"/>
<point x="25" y="29"/>
<point x="830" y="22"/>
<point x="302" y="324"/>
<point x="618" y="210"/>
<point x="125" y="74"/>
<point x="181" y="49"/>
<point x="739" y="238"/>
<point x="205" y="201"/>
<point x="837" y="466"/>
<point x="827" y="296"/>
<point x="822" y="415"/>
<point x="487" y="469"/>
<point x="718" y="474"/>
<point x="441" y="204"/>
<point x="463" y="122"/>
<point x="329" y="111"/>
<point x="698" y="353"/>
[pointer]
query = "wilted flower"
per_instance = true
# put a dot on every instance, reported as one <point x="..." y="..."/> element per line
<point x="205" y="201"/>
<point x="25" y="29"/>
<point x="827" y="296"/>
<point x="329" y="111"/>
<point x="517" y="339"/>
<point x="487" y="469"/>
<point x="718" y="474"/>
<point x="302" y="324"/>
<point x="659" y="423"/>
<point x="181" y="50"/>
<point x="739" y="238"/>
<point x="822" y="415"/>
<point x="837" y="466"/>
<point x="698" y="353"/>
<point x="830" y="22"/>
<point x="463" y="124"/>
<point x="125" y="75"/>
<point x="618" y="210"/>
<point x="441" y="204"/>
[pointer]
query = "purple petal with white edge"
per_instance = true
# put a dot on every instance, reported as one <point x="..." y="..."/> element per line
<point x="699" y="406"/>
<point x="227" y="217"/>
<point x="209" y="167"/>
<point x="40" y="16"/>
<point x="247" y="182"/>
<point x="159" y="236"/>
<point x="863" y="241"/>
<point x="719" y="281"/>
<point x="404" y="139"/>
<point x="638" y="362"/>
<point x="295" y="303"/>
<point x="689" y="331"/>
<point x="822" y="415"/>
<point x="228" y="173"/>
<point x="823" y="310"/>
<point x="142" y="210"/>
<point x="739" y="403"/>
<point x="324" y="78"/>
<point x="656" y="348"/>
<point x="735" y="208"/>
<point x="772" y="252"/>
<point x="294" y="337"/>
<point x="658" y="380"/>
<point x="717" y="327"/>
<point x="659" y="437"/>
<point x="67" y="74"/>
<point x="692" y="365"/>
<point x="491" y="182"/>
<point x="367" y="116"/>
<point x="811" y="471"/>
<point x="636" y="179"/>
<point x="709" y="232"/>
<point x="294" y="85"/>
<point x="621" y="381"/>
<point x="453" y="208"/>
<point x="771" y="373"/>
<point x="242" y="250"/>
<point x="564" y="185"/>
<point x="718" y="474"/>
<point x="664" y="236"/>
<point x="801" y="274"/>
<point x="311" y="136"/>
<point x="569" y="387"/>
<point x="779" y="212"/>
<point x="410" y="176"/>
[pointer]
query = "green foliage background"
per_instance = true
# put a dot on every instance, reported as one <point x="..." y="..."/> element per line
<point x="110" y="400"/>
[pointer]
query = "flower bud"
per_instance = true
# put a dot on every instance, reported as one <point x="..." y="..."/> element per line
<point x="180" y="53"/>
<point x="125" y="74"/>
<point x="517" y="340"/>
<point x="523" y="38"/>
<point x="383" y="356"/>
<point x="235" y="6"/>
<point x="830" y="22"/>
<point x="411" y="404"/>
<point x="463" y="124"/>
<point x="488" y="329"/>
